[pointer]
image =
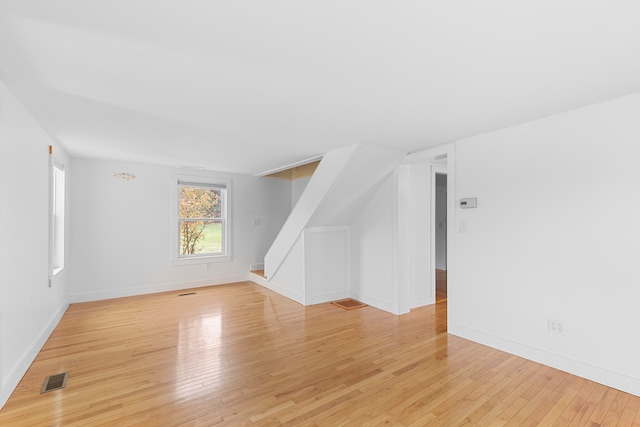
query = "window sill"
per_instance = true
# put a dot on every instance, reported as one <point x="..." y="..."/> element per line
<point x="201" y="259"/>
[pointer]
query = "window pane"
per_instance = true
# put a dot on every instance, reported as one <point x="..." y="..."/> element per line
<point x="57" y="219"/>
<point x="201" y="220"/>
<point x="200" y="237"/>
<point x="199" y="202"/>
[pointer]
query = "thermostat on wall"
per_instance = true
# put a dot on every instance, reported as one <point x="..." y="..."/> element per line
<point x="471" y="202"/>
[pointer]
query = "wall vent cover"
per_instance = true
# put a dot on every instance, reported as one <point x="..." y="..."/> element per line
<point x="54" y="382"/>
<point x="348" y="304"/>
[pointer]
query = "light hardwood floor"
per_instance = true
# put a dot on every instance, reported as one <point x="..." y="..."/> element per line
<point x="242" y="355"/>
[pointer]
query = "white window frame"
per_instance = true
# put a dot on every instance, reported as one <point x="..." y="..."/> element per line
<point x="204" y="181"/>
<point x="56" y="216"/>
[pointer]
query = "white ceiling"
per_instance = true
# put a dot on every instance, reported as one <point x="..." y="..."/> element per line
<point x="250" y="85"/>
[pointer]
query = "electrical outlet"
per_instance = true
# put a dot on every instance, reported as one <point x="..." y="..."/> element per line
<point x="556" y="326"/>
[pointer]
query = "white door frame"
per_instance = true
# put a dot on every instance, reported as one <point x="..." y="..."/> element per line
<point x="443" y="170"/>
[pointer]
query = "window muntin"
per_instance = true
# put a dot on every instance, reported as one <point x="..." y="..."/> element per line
<point x="202" y="219"/>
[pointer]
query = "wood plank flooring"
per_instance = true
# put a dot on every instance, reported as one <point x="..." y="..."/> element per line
<point x="240" y="354"/>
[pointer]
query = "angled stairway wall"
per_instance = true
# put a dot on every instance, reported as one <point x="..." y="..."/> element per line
<point x="309" y="261"/>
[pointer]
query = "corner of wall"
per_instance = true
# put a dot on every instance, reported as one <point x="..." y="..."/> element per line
<point x="15" y="374"/>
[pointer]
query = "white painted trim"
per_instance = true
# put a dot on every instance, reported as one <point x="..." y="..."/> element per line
<point x="253" y="267"/>
<point x="436" y="169"/>
<point x="259" y="280"/>
<point x="15" y="374"/>
<point x="194" y="260"/>
<point x="4" y="391"/>
<point x="290" y="166"/>
<point x="600" y="375"/>
<point x="321" y="184"/>
<point x="227" y="254"/>
<point x="374" y="302"/>
<point x="277" y="289"/>
<point x="328" y="297"/>
<point x="306" y="292"/>
<point x="428" y="155"/>
<point x="420" y="302"/>
<point x="451" y="221"/>
<point x="166" y="287"/>
<point x="400" y="241"/>
<point x="329" y="229"/>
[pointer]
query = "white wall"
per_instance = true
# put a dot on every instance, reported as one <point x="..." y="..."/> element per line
<point x="419" y="245"/>
<point x="289" y="280"/>
<point x="121" y="233"/>
<point x="327" y="264"/>
<point x="297" y="187"/>
<point x="29" y="308"/>
<point x="555" y="235"/>
<point x="344" y="180"/>
<point x="372" y="250"/>
<point x="319" y="186"/>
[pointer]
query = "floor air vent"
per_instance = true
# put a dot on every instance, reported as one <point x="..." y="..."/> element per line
<point x="54" y="382"/>
<point x="348" y="304"/>
<point x="188" y="293"/>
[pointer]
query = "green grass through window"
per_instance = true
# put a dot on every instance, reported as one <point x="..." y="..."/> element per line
<point x="212" y="240"/>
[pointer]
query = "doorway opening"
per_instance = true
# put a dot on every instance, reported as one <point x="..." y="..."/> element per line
<point x="440" y="228"/>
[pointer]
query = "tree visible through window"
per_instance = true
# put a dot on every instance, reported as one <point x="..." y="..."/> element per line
<point x="202" y="219"/>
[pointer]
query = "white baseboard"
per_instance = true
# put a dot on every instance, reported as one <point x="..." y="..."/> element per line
<point x="166" y="287"/>
<point x="597" y="374"/>
<point x="277" y="289"/>
<point x="259" y="280"/>
<point x="374" y="302"/>
<point x="16" y="373"/>
<point x="254" y="267"/>
<point x="333" y="296"/>
<point x="299" y="298"/>
<point x="421" y="302"/>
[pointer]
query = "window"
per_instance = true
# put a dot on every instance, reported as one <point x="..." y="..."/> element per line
<point x="56" y="238"/>
<point x="202" y="226"/>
